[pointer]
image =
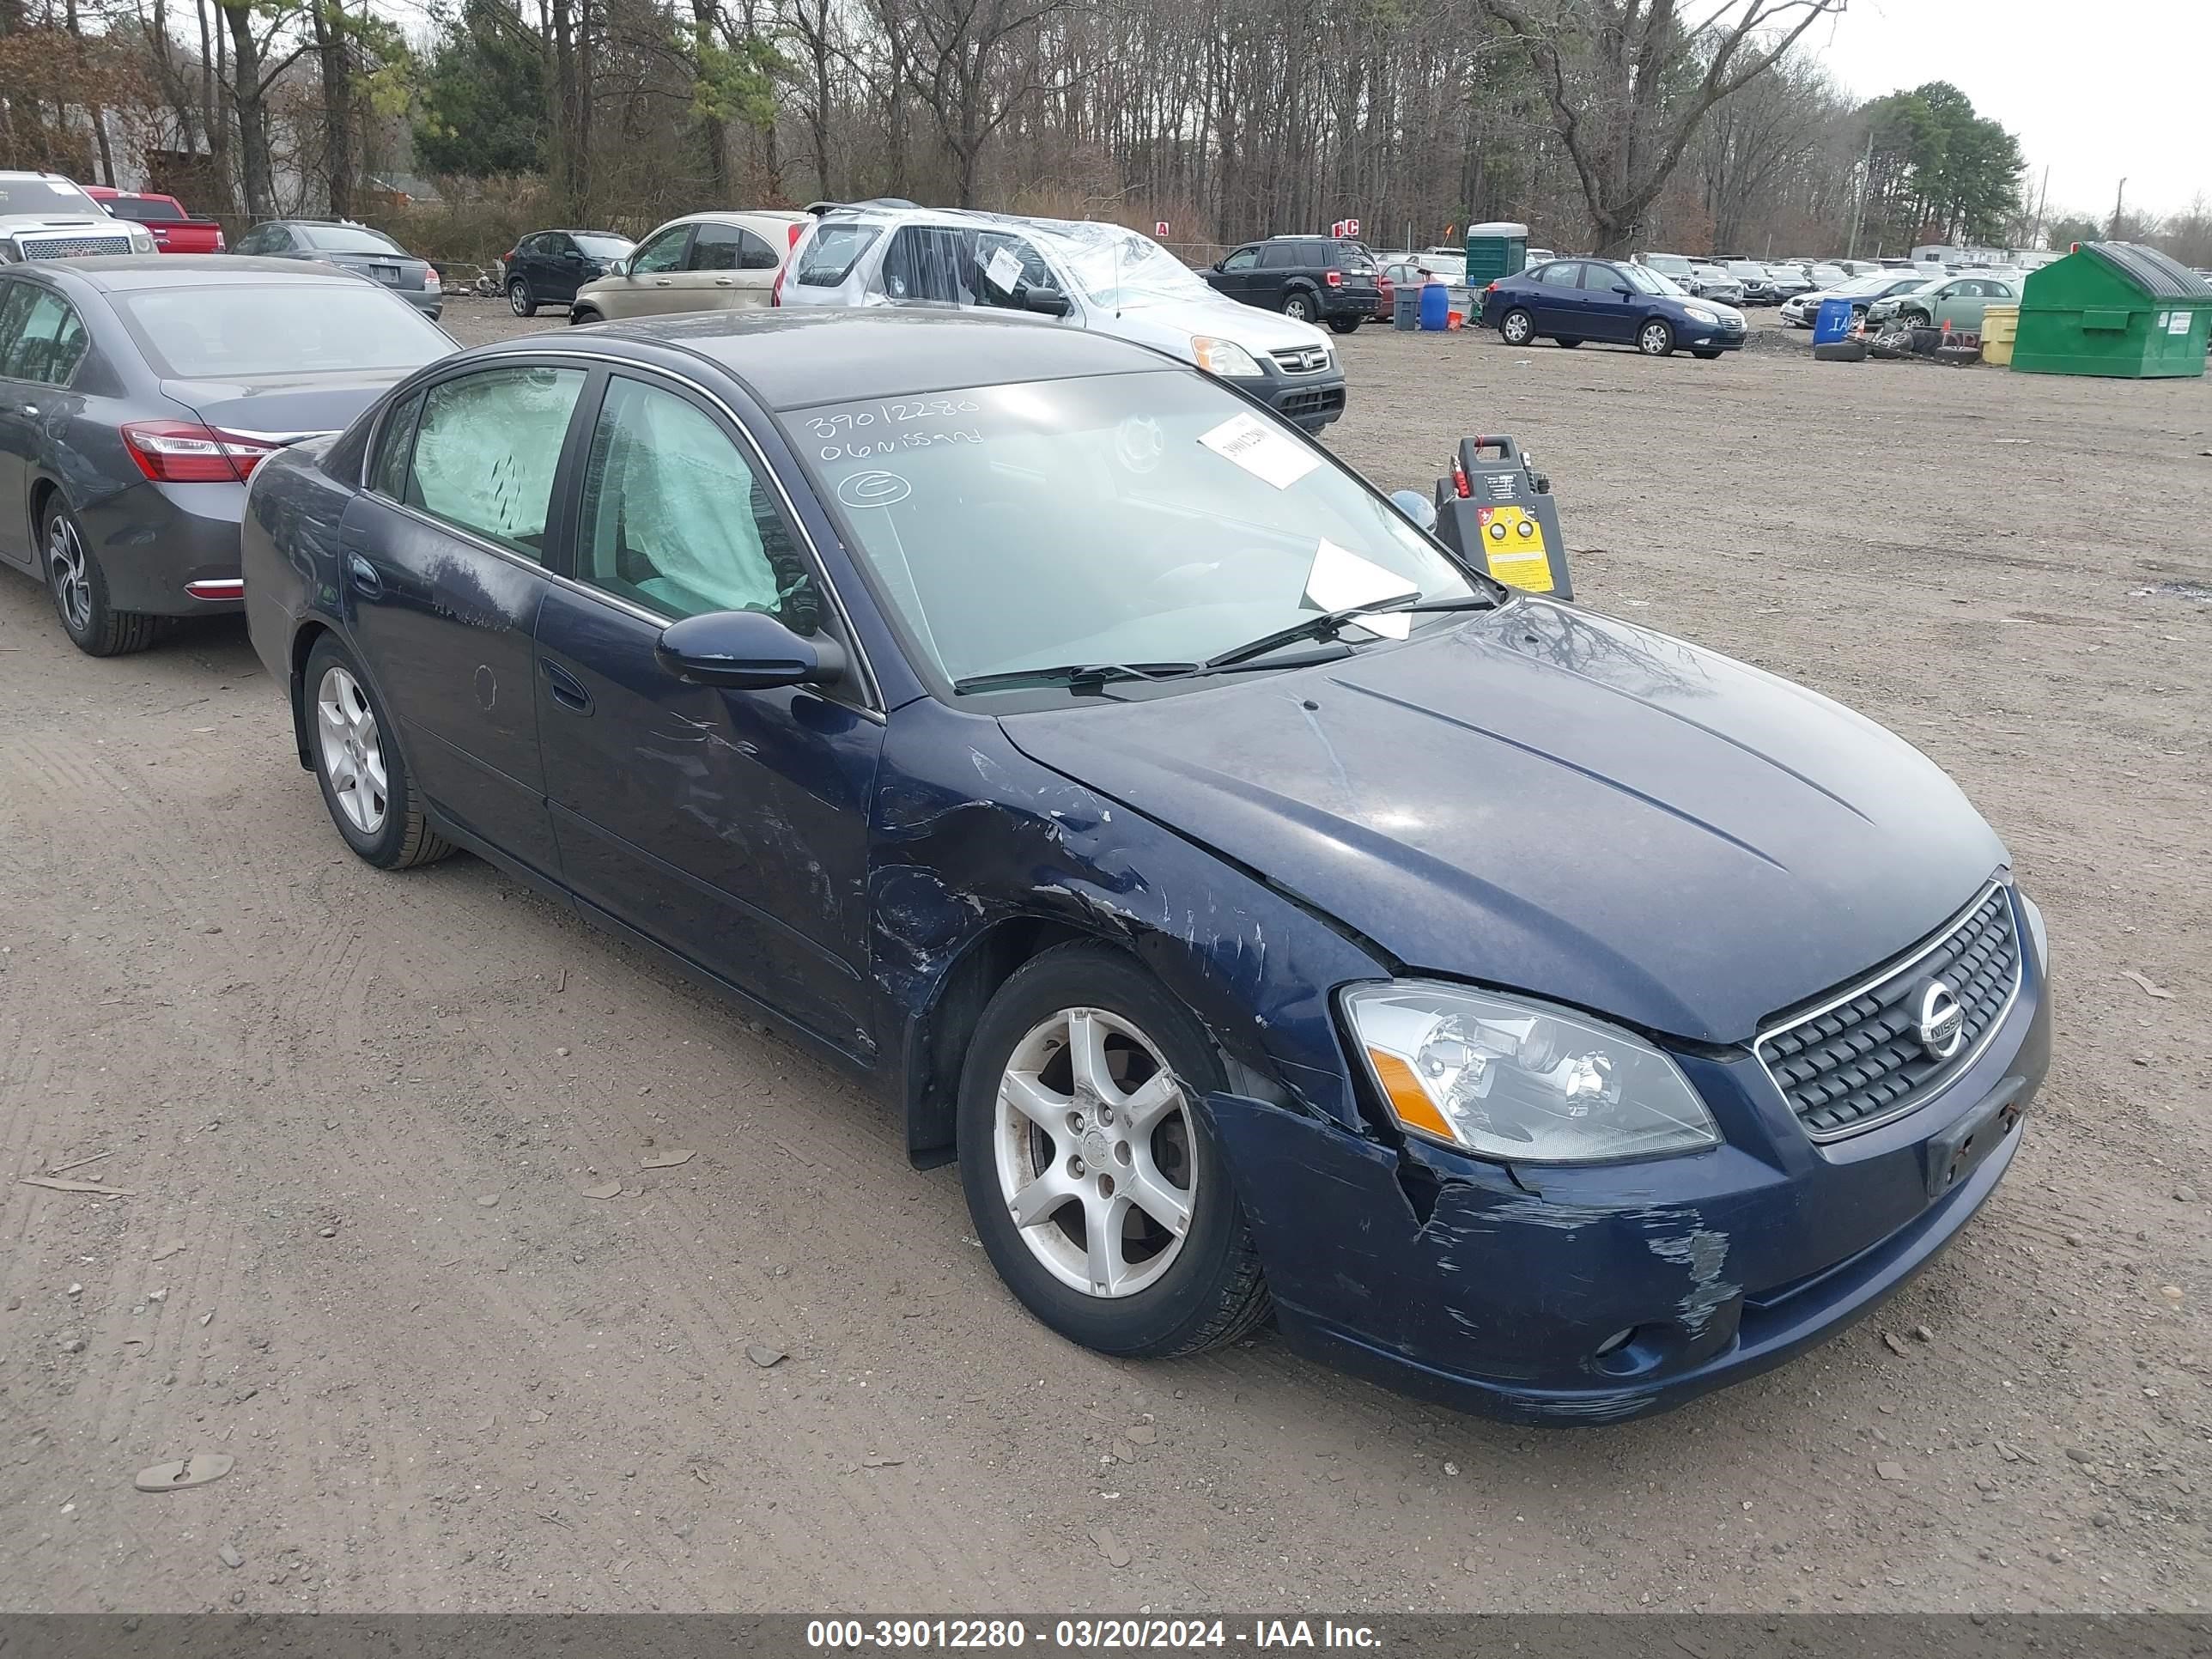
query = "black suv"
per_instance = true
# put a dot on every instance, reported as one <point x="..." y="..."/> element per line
<point x="1316" y="279"/>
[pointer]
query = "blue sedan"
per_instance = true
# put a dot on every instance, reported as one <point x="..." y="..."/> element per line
<point x="1572" y="300"/>
<point x="1271" y="915"/>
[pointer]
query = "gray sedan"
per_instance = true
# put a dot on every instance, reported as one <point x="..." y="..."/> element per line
<point x="137" y="395"/>
<point x="353" y="247"/>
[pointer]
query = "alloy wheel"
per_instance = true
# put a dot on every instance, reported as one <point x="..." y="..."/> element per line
<point x="1093" y="1143"/>
<point x="352" y="749"/>
<point x="1656" y="339"/>
<point x="1517" y="328"/>
<point x="1298" y="308"/>
<point x="69" y="571"/>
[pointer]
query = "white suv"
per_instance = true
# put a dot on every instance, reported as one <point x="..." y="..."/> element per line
<point x="1101" y="278"/>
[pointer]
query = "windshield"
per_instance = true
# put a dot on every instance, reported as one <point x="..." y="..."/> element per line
<point x="1745" y="268"/>
<point x="305" y="328"/>
<point x="1116" y="268"/>
<point x="44" y="196"/>
<point x="1649" y="280"/>
<point x="1146" y="518"/>
<point x="1673" y="264"/>
<point x="347" y="239"/>
<point x="602" y="247"/>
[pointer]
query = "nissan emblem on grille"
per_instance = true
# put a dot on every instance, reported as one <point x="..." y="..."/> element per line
<point x="1864" y="1054"/>
<point x="1942" y="1021"/>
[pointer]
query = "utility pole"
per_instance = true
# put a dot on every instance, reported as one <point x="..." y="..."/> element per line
<point x="2118" y="197"/>
<point x="1858" y="207"/>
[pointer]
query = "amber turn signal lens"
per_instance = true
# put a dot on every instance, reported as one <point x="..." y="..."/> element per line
<point x="1409" y="1100"/>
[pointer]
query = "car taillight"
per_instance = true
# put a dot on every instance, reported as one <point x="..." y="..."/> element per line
<point x="432" y="282"/>
<point x="1336" y="279"/>
<point x="1492" y="289"/>
<point x="219" y="243"/>
<point x="181" y="451"/>
<point x="510" y="256"/>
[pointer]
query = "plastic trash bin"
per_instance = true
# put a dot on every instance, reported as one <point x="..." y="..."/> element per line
<point x="1999" y="324"/>
<point x="1406" y="307"/>
<point x="1832" y="322"/>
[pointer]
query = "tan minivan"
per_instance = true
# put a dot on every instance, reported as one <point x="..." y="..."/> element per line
<point x="701" y="262"/>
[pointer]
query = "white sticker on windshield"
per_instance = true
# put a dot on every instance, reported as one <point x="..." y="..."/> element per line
<point x="1340" y="579"/>
<point x="1268" y="455"/>
<point x="1004" y="271"/>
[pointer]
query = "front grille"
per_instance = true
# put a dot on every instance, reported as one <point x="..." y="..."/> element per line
<point x="72" y="247"/>
<point x="1301" y="359"/>
<point x="1857" y="1059"/>
<point x="1299" y="404"/>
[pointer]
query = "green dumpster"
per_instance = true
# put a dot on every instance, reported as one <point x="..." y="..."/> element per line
<point x="2113" y="308"/>
<point x="1493" y="251"/>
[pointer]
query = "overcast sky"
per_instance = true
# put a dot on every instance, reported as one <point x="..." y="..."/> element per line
<point x="2096" y="90"/>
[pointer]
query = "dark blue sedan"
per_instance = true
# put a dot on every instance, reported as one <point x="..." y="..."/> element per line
<point x="1572" y="300"/>
<point x="1271" y="915"/>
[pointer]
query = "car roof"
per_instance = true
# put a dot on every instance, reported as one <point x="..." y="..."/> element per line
<point x="778" y="216"/>
<point x="801" y="357"/>
<point x="126" y="272"/>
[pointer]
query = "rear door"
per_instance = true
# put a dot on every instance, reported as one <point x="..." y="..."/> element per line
<point x="728" y="825"/>
<point x="19" y="432"/>
<point x="42" y="341"/>
<point x="444" y="571"/>
<point x="1271" y="279"/>
<point x="730" y="268"/>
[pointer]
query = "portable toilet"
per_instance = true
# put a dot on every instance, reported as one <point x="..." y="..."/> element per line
<point x="1495" y="250"/>
<point x="2113" y="308"/>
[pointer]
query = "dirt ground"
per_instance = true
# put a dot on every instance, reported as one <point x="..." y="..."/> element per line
<point x="355" y="1111"/>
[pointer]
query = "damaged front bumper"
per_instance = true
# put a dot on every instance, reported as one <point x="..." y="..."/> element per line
<point x="1596" y="1293"/>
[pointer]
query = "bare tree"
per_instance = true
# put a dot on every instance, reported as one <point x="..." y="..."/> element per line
<point x="1628" y="81"/>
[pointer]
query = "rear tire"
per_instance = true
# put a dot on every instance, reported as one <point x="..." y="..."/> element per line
<point x="1122" y="1138"/>
<point x="1516" y="327"/>
<point x="364" y="780"/>
<point x="1656" y="339"/>
<point x="1344" y="325"/>
<point x="78" y="588"/>
<point x="1570" y="342"/>
<point x="518" y="298"/>
<point x="1299" y="307"/>
<point x="1705" y="356"/>
<point x="579" y="315"/>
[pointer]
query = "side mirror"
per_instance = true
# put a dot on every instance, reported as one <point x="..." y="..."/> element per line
<point x="618" y="267"/>
<point x="1220" y="265"/>
<point x="1624" y="290"/>
<point x="1049" y="300"/>
<point x="745" y="650"/>
<point x="1416" y="507"/>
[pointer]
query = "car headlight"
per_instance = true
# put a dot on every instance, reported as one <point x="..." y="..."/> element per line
<point x="1522" y="1080"/>
<point x="1224" y="357"/>
<point x="1704" y="314"/>
<point x="142" y="242"/>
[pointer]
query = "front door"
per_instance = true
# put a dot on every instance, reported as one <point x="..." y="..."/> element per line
<point x="1234" y="276"/>
<point x="647" y="288"/>
<point x="728" y="825"/>
<point x="1607" y="313"/>
<point x="444" y="571"/>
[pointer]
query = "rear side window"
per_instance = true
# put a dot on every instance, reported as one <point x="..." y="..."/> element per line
<point x="1286" y="256"/>
<point x="715" y="247"/>
<point x="830" y="255"/>
<point x="487" y="446"/>
<point x="45" y="349"/>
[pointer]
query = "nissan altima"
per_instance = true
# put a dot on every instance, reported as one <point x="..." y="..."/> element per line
<point x="1271" y="915"/>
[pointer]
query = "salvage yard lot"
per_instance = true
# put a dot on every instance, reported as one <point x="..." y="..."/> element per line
<point x="366" y="1105"/>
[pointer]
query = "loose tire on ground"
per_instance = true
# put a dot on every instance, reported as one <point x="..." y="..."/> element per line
<point x="363" y="777"/>
<point x="1033" y="1136"/>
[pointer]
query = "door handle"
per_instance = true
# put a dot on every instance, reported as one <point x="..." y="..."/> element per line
<point x="31" y="409"/>
<point x="724" y="282"/>
<point x="567" y="690"/>
<point x="663" y="282"/>
<point x="363" y="576"/>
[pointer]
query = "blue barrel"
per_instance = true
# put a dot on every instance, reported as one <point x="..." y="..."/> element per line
<point x="1832" y="322"/>
<point x="1436" y="306"/>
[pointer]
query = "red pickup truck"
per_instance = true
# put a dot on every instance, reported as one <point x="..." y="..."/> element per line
<point x="174" y="230"/>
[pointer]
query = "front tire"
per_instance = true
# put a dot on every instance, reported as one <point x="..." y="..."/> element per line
<point x="1656" y="339"/>
<point x="1516" y="327"/>
<point x="364" y="780"/>
<point x="519" y="300"/>
<point x="1092" y="1173"/>
<point x="78" y="588"/>
<point x="1299" y="307"/>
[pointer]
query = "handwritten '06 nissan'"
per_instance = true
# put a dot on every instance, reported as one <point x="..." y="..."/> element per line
<point x="1271" y="915"/>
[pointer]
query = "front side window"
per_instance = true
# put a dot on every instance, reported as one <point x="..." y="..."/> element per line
<point x="1145" y="518"/>
<point x="678" y="520"/>
<point x="1005" y="264"/>
<point x="487" y="447"/>
<point x="1243" y="259"/>
<point x="663" y="253"/>
<point x="44" y="349"/>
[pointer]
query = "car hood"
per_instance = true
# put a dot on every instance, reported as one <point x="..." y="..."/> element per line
<point x="1170" y="324"/>
<point x="1555" y="802"/>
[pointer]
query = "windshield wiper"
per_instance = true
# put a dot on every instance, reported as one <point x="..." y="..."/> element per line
<point x="1077" y="676"/>
<point x="1326" y="624"/>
